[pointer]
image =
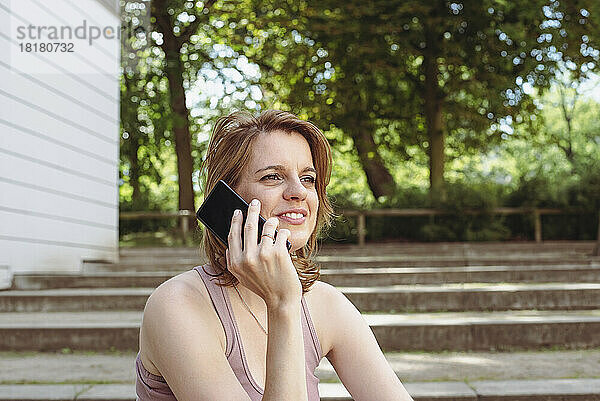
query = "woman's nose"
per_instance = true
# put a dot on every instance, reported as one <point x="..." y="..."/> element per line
<point x="295" y="190"/>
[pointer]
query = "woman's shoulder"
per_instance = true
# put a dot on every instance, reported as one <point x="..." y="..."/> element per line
<point x="183" y="294"/>
<point x="321" y="290"/>
<point x="184" y="286"/>
<point x="181" y="298"/>
<point x="322" y="294"/>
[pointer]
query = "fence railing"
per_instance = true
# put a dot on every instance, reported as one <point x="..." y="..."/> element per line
<point x="183" y="216"/>
<point x="535" y="212"/>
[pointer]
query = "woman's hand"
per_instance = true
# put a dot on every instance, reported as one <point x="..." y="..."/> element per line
<point x="265" y="268"/>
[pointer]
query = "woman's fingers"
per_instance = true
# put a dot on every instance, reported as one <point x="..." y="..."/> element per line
<point x="268" y="231"/>
<point x="234" y="240"/>
<point x="251" y="226"/>
<point x="230" y="265"/>
<point x="282" y="236"/>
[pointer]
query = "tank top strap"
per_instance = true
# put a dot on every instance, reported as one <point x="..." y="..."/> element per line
<point x="217" y="296"/>
<point x="312" y="346"/>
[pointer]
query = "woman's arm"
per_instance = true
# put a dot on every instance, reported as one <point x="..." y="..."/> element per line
<point x="268" y="271"/>
<point x="286" y="371"/>
<point x="355" y="353"/>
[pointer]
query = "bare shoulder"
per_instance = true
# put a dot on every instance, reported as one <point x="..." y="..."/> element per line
<point x="181" y="298"/>
<point x="185" y="289"/>
<point x="185" y="285"/>
<point x="328" y="308"/>
<point x="182" y="339"/>
<point x="322" y="290"/>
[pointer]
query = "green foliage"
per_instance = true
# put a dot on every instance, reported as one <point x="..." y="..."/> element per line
<point x="365" y="68"/>
<point x="358" y="70"/>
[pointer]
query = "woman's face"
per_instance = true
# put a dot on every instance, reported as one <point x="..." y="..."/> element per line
<point x="282" y="176"/>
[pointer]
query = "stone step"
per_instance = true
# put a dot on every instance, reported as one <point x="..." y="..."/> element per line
<point x="367" y="276"/>
<point x="573" y="273"/>
<point x="530" y="390"/>
<point x="386" y="299"/>
<point x="117" y="367"/>
<point x="460" y="331"/>
<point x="43" y="281"/>
<point x="383" y="261"/>
<point x="477" y="365"/>
<point x="379" y="255"/>
<point x="384" y="257"/>
<point x="457" y="247"/>
<point x="75" y="300"/>
<point x="347" y="262"/>
<point x="465" y="253"/>
<point x="475" y="297"/>
<point x="404" y="248"/>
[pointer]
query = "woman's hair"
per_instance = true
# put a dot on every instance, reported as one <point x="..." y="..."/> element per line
<point x="229" y="152"/>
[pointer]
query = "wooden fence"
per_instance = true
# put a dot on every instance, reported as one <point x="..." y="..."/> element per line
<point x="182" y="215"/>
<point x="361" y="215"/>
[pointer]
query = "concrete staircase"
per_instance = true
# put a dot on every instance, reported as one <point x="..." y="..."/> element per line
<point x="471" y="300"/>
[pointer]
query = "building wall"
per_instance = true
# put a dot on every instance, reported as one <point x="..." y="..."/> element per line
<point x="59" y="145"/>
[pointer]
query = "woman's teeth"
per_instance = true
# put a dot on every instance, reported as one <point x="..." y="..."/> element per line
<point x="293" y="215"/>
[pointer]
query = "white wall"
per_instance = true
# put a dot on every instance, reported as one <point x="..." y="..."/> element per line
<point x="59" y="141"/>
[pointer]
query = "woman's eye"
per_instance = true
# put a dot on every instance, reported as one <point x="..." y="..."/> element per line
<point x="307" y="178"/>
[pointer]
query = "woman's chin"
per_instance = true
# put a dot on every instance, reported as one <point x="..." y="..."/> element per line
<point x="297" y="243"/>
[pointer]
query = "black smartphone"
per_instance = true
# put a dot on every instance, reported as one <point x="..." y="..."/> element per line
<point x="217" y="210"/>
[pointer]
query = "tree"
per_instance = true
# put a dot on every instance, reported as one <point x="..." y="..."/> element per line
<point x="571" y="122"/>
<point x="457" y="68"/>
<point x="144" y="114"/>
<point x="177" y="23"/>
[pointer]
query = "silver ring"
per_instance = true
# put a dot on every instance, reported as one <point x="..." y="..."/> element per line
<point x="268" y="235"/>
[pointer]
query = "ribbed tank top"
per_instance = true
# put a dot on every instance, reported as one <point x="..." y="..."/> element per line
<point x="151" y="387"/>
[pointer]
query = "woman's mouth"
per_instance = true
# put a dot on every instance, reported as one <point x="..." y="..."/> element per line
<point x="292" y="218"/>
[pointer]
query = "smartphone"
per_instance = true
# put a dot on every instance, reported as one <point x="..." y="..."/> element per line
<point x="217" y="210"/>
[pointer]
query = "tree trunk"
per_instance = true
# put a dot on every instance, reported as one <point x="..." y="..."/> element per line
<point x="174" y="70"/>
<point x="181" y="126"/>
<point x="597" y="248"/>
<point x="435" y="132"/>
<point x="134" y="174"/>
<point x="568" y="115"/>
<point x="133" y="144"/>
<point x="379" y="178"/>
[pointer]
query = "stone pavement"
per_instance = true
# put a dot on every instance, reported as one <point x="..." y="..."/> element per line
<point x="515" y="390"/>
<point x="548" y="375"/>
<point x="118" y="367"/>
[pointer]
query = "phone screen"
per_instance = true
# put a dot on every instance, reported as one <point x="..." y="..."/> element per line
<point x="217" y="210"/>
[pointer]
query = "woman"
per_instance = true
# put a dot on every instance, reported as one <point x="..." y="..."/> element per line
<point x="254" y="322"/>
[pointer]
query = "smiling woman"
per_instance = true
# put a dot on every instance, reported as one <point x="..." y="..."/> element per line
<point x="276" y="138"/>
<point x="254" y="322"/>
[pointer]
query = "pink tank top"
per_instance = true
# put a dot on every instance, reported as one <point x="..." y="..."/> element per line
<point x="151" y="387"/>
